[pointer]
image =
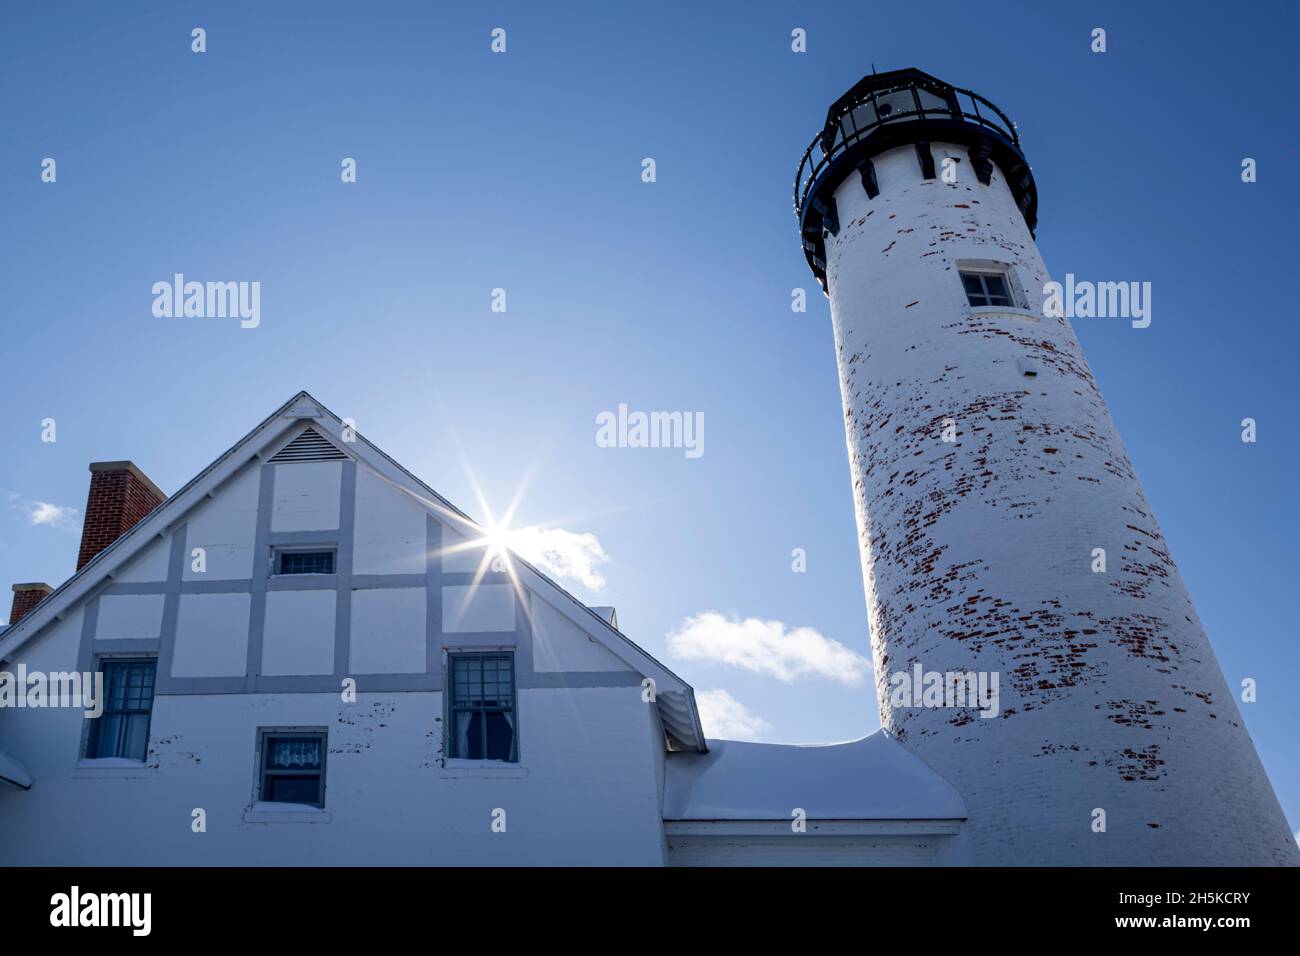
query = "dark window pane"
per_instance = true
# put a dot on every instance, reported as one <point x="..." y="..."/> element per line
<point x="135" y="737"/>
<point x="474" y="738"/>
<point x="104" y="739"/>
<point x="986" y="289"/>
<point x="123" y="729"/>
<point x="997" y="286"/>
<point x="864" y="116"/>
<point x="482" y="707"/>
<point x="895" y="103"/>
<point x="931" y="101"/>
<point x="306" y="562"/>
<point x="292" y="789"/>
<point x="499" y="736"/>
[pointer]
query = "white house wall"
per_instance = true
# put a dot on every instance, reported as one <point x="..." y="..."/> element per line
<point x="583" y="792"/>
<point x="390" y="529"/>
<point x="560" y="645"/>
<point x="130" y="617"/>
<point x="298" y="633"/>
<point x="388" y="628"/>
<point x="808" y="849"/>
<point x="149" y="565"/>
<point x="307" y="496"/>
<point x="211" y="636"/>
<point x="241" y="649"/>
<point x="478" y="608"/>
<point x="227" y="534"/>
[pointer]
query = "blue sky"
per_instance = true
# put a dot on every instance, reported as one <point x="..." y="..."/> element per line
<point x="522" y="171"/>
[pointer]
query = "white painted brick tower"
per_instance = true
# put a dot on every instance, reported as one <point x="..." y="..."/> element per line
<point x="978" y="553"/>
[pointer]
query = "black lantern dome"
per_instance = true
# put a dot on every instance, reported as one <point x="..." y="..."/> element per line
<point x="899" y="108"/>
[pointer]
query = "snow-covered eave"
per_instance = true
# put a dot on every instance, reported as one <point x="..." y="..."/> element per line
<point x="873" y="779"/>
<point x="12" y="772"/>
<point x="939" y="826"/>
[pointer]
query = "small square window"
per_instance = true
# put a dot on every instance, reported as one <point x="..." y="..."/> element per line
<point x="122" y="730"/>
<point x="482" y="719"/>
<point x="293" y="768"/>
<point x="984" y="289"/>
<point x="304" y="562"/>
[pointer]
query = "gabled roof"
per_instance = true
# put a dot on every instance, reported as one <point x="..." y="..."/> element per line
<point x="675" y="698"/>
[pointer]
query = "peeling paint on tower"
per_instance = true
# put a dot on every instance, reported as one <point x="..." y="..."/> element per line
<point x="976" y="551"/>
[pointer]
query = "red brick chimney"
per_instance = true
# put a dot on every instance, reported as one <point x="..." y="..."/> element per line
<point x="120" y="495"/>
<point x="26" y="597"/>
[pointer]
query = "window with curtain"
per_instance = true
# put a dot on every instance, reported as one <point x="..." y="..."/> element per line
<point x="293" y="768"/>
<point x="122" y="730"/>
<point x="482" y="720"/>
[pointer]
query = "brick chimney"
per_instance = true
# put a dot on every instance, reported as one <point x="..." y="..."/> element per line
<point x="26" y="597"/>
<point x="120" y="495"/>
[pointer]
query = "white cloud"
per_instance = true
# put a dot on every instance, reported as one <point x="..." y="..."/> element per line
<point x="766" y="647"/>
<point x="564" y="554"/>
<point x="721" y="715"/>
<point x="45" y="513"/>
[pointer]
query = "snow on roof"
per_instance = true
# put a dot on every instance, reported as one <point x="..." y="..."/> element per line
<point x="12" y="771"/>
<point x="869" y="779"/>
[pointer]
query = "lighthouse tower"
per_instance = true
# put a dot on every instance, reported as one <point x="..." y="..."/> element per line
<point x="1002" y="528"/>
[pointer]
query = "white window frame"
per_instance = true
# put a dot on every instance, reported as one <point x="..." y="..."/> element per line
<point x="1020" y="300"/>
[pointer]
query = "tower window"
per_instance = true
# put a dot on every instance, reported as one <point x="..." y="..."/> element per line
<point x="986" y="289"/>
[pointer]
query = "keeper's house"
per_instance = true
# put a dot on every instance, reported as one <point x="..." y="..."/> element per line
<point x="309" y="657"/>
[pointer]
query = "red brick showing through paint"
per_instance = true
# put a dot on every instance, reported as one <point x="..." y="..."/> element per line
<point x="977" y="554"/>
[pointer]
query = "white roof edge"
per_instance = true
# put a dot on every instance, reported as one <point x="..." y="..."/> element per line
<point x="872" y="779"/>
<point x="128" y="545"/>
<point x="302" y="405"/>
<point x="816" y="828"/>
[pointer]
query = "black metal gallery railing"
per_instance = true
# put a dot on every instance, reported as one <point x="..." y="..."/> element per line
<point x="863" y="111"/>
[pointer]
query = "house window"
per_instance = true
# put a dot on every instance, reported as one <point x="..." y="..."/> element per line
<point x="293" y="768"/>
<point x="482" y="722"/>
<point x="304" y="562"/>
<point x="986" y="289"/>
<point x="122" y="730"/>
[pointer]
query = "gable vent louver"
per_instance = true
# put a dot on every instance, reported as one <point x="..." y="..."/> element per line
<point x="309" y="446"/>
